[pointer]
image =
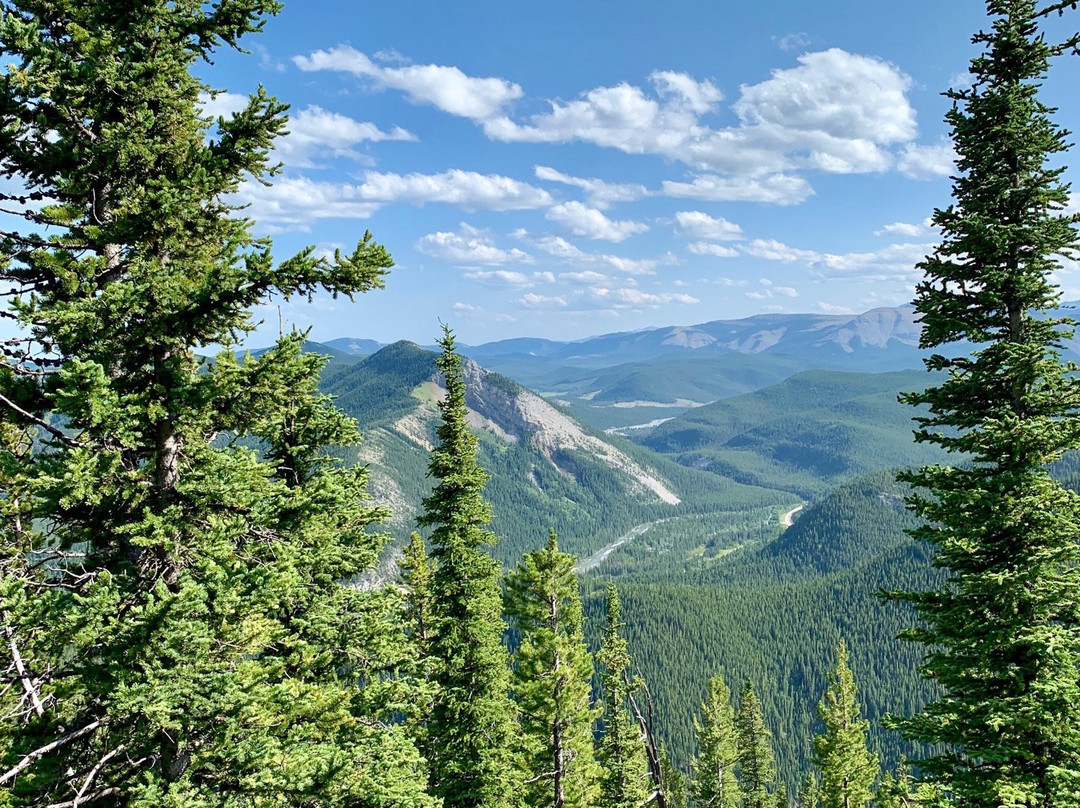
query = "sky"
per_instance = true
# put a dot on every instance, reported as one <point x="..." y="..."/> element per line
<point x="563" y="169"/>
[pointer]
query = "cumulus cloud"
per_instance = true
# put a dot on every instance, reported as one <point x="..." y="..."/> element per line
<point x="831" y="308"/>
<point x="446" y="88"/>
<point x="770" y="290"/>
<point x="468" y="246"/>
<point x="601" y="194"/>
<point x="698" y="224"/>
<point x="625" y="297"/>
<point x="501" y="278"/>
<point x="894" y="262"/>
<point x="297" y="200"/>
<point x="833" y="111"/>
<point x="561" y="249"/>
<point x="465" y="189"/>
<point x="316" y="132"/>
<point x="534" y="301"/>
<point x="715" y="250"/>
<point x="775" y="189"/>
<point x="927" y="162"/>
<point x="907" y="230"/>
<point x="587" y="222"/>
<point x="313" y="132"/>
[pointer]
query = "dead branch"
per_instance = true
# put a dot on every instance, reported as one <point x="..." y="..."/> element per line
<point x="30" y="757"/>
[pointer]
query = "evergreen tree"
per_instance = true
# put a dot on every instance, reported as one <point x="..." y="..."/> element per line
<point x="896" y="790"/>
<point x="757" y="764"/>
<point x="848" y="769"/>
<point x="1003" y="633"/>
<point x="809" y="795"/>
<point x="471" y="731"/>
<point x="172" y="597"/>
<point x="416" y="577"/>
<point x="626" y="778"/>
<point x="714" y="784"/>
<point x="780" y="798"/>
<point x="673" y="781"/>
<point x="552" y="680"/>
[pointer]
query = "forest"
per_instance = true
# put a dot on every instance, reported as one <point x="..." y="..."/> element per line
<point x="213" y="592"/>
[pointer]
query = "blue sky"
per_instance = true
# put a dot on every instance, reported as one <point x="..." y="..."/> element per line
<point x="565" y="169"/>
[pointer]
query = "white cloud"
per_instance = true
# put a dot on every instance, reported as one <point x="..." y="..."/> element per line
<point x="897" y="261"/>
<point x="701" y="225"/>
<point x="715" y="250"/>
<point x="469" y="246"/>
<point x="770" y="290"/>
<point x="830" y="308"/>
<point x="927" y="162"/>
<point x="618" y="298"/>
<point x="792" y="42"/>
<point x="775" y="189"/>
<point x="601" y="194"/>
<point x="312" y="132"/>
<point x="563" y="250"/>
<point x="772" y="250"/>
<point x="501" y="278"/>
<point x="1073" y="207"/>
<point x="446" y="88"/>
<point x="298" y="200"/>
<point x="535" y="301"/>
<point x="467" y="308"/>
<point x="465" y="189"/>
<point x="315" y="132"/>
<point x="585" y="278"/>
<point x="907" y="230"/>
<point x="592" y="223"/>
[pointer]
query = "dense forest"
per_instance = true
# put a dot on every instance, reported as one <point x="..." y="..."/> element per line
<point x="208" y="600"/>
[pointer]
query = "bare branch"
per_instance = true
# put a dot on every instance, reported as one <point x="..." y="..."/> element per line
<point x="97" y="795"/>
<point x="52" y="430"/>
<point x="94" y="773"/>
<point x="30" y="757"/>
<point x="28" y="684"/>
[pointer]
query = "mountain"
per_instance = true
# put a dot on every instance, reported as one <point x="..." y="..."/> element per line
<point x="811" y="431"/>
<point x="882" y="339"/>
<point x="356" y="347"/>
<point x="547" y="470"/>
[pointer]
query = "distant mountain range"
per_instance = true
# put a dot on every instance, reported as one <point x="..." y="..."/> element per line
<point x="880" y="339"/>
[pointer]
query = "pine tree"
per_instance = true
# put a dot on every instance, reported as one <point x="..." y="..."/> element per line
<point x="757" y="763"/>
<point x="173" y="596"/>
<point x="1003" y="633"/>
<point x="552" y="680"/>
<point x="809" y="795"/>
<point x="848" y="769"/>
<point x="471" y="731"/>
<point x="673" y="782"/>
<point x="715" y="784"/>
<point x="626" y="778"/>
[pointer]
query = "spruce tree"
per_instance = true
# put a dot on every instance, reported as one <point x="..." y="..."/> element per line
<point x="715" y="783"/>
<point x="626" y="778"/>
<point x="552" y="680"/>
<point x="1003" y="633"/>
<point x="848" y="769"/>
<point x="809" y="795"/>
<point x="757" y="763"/>
<point x="471" y="731"/>
<point x="172" y="597"/>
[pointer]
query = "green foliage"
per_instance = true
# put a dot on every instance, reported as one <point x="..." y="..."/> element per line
<point x="809" y="795"/>
<point x="470" y="734"/>
<point x="848" y="769"/>
<point x="715" y="783"/>
<point x="625" y="782"/>
<point x="757" y="764"/>
<point x="1003" y="634"/>
<point x="175" y="596"/>
<point x="552" y="680"/>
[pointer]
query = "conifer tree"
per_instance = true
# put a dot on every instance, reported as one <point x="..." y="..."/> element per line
<point x="1003" y="633"/>
<point x="809" y="795"/>
<point x="715" y="783"/>
<point x="552" y="680"/>
<point x="757" y="763"/>
<point x="416" y="577"/>
<point x="673" y="782"/>
<point x="626" y="778"/>
<point x="471" y="731"/>
<point x="172" y="599"/>
<point x="848" y="769"/>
